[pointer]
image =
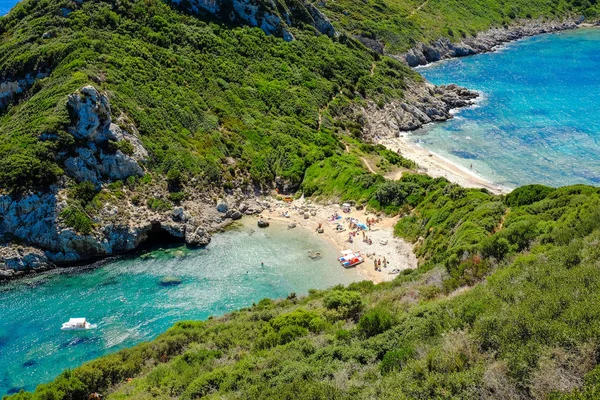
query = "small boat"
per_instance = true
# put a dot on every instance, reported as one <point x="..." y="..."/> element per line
<point x="77" y="324"/>
<point x="350" y="259"/>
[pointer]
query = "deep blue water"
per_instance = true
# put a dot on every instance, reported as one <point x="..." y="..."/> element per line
<point x="127" y="301"/>
<point x="6" y="5"/>
<point x="538" y="121"/>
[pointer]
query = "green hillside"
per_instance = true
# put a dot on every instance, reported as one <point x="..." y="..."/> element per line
<point x="528" y="330"/>
<point x="202" y="92"/>
<point x="505" y="302"/>
<point x="198" y="92"/>
<point x="400" y="24"/>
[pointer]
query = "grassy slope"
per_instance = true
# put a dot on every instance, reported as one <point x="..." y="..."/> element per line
<point x="530" y="331"/>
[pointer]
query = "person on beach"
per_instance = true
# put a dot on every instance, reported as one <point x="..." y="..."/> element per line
<point x="375" y="264"/>
<point x="384" y="263"/>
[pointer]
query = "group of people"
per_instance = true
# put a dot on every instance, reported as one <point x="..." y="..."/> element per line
<point x="334" y="217"/>
<point x="377" y="264"/>
<point x="372" y="221"/>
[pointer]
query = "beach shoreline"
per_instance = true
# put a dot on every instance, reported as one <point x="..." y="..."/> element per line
<point x="438" y="166"/>
<point x="396" y="251"/>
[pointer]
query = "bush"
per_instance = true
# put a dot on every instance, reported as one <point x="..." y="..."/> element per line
<point x="526" y="195"/>
<point x="84" y="192"/>
<point x="76" y="218"/>
<point x="299" y="317"/>
<point x="291" y="332"/>
<point x="158" y="205"/>
<point x="123" y="145"/>
<point x="375" y="321"/>
<point x="395" y="360"/>
<point x="177" y="197"/>
<point x="347" y="303"/>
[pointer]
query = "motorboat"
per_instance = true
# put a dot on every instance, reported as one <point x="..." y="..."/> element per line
<point x="77" y="324"/>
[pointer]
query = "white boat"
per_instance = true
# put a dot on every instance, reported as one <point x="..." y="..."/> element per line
<point x="77" y="324"/>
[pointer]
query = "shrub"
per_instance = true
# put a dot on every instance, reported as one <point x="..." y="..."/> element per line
<point x="174" y="176"/>
<point x="291" y="332"/>
<point x="496" y="246"/>
<point x="347" y="303"/>
<point x="158" y="205"/>
<point x="526" y="195"/>
<point x="123" y="145"/>
<point x="299" y="317"/>
<point x="395" y="360"/>
<point x="83" y="192"/>
<point x="76" y="218"/>
<point x="177" y="197"/>
<point x="375" y="321"/>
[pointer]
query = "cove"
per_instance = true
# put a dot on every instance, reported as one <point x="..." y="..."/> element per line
<point x="537" y="120"/>
<point x="128" y="302"/>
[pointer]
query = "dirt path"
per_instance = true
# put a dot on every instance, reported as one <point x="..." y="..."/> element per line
<point x="501" y="223"/>
<point x="416" y="10"/>
<point x="366" y="162"/>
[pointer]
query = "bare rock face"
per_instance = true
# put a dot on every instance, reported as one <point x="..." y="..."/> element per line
<point x="99" y="158"/>
<point x="21" y="258"/>
<point x="33" y="219"/>
<point x="483" y="42"/>
<point x="424" y="103"/>
<point x="13" y="87"/>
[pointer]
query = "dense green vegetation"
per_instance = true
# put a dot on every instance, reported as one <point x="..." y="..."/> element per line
<point x="505" y="301"/>
<point x="400" y="24"/>
<point x="530" y="330"/>
<point x="199" y="92"/>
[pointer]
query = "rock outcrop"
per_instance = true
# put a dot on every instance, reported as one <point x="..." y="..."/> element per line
<point x="273" y="18"/>
<point x="483" y="42"/>
<point x="424" y="103"/>
<point x="10" y="88"/>
<point x="99" y="158"/>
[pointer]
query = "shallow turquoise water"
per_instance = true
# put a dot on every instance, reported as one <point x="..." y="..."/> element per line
<point x="129" y="305"/>
<point x="538" y="120"/>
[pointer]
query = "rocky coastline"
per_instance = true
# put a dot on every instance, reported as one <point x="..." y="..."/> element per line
<point x="424" y="103"/>
<point x="484" y="42"/>
<point x="34" y="233"/>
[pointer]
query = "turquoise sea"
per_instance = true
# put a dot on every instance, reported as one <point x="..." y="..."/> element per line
<point x="537" y="121"/>
<point x="125" y="297"/>
<point x="6" y="5"/>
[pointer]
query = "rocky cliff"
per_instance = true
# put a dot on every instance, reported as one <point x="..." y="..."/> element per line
<point x="483" y="42"/>
<point x="423" y="103"/>
<point x="36" y="237"/>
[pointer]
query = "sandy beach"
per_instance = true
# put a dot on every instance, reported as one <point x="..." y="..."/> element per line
<point x="396" y="251"/>
<point x="437" y="166"/>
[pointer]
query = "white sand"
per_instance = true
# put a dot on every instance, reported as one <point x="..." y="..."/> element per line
<point x="437" y="166"/>
<point x="397" y="252"/>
